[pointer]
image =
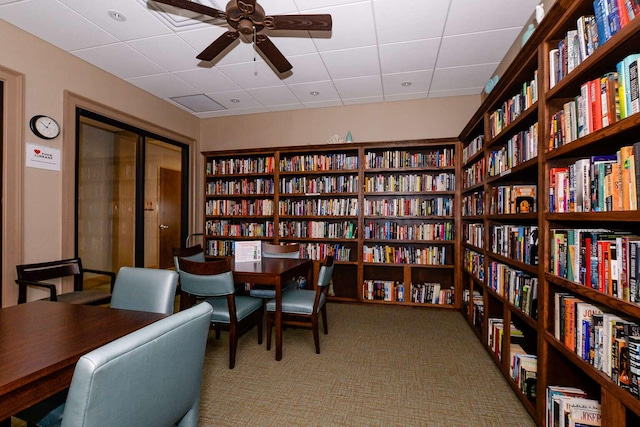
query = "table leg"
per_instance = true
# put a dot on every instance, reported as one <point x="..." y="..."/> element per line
<point x="279" y="320"/>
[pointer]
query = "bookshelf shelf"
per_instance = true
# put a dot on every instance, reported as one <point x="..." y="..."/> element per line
<point x="319" y="200"/>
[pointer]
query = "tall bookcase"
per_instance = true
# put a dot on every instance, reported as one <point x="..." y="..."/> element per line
<point x="503" y="263"/>
<point x="386" y="211"/>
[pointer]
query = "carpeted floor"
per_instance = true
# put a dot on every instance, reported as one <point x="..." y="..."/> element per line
<point x="380" y="365"/>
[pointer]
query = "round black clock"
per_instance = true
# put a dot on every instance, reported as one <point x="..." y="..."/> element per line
<point x="44" y="127"/>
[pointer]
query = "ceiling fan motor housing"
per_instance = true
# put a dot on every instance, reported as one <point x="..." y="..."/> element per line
<point x="245" y="17"/>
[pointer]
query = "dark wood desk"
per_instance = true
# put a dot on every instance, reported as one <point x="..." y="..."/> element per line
<point x="273" y="272"/>
<point x="41" y="342"/>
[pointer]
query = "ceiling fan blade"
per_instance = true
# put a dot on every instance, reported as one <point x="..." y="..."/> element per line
<point x="195" y="7"/>
<point x="298" y="22"/>
<point x="218" y="45"/>
<point x="271" y="52"/>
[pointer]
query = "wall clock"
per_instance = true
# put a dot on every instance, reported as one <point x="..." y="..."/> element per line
<point x="44" y="127"/>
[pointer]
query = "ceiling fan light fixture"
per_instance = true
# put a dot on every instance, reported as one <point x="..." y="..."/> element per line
<point x="115" y="15"/>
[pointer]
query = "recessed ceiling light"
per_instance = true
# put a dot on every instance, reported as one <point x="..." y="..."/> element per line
<point x="406" y="84"/>
<point x="234" y="100"/>
<point x="314" y="93"/>
<point x="117" y="16"/>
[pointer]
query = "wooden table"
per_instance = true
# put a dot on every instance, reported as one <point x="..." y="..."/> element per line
<point x="41" y="342"/>
<point x="273" y="272"/>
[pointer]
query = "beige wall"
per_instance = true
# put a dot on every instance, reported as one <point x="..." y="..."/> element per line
<point x="51" y="75"/>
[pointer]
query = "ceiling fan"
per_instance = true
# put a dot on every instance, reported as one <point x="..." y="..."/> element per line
<point x="247" y="17"/>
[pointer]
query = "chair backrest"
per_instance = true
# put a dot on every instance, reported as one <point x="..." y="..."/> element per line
<point x="192" y="253"/>
<point x="269" y="250"/>
<point x="326" y="272"/>
<point x="49" y="270"/>
<point x="145" y="289"/>
<point x="206" y="279"/>
<point x="149" y="377"/>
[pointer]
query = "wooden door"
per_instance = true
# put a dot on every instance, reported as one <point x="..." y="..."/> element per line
<point x="169" y="200"/>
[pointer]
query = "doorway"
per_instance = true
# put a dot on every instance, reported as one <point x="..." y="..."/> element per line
<point x="131" y="204"/>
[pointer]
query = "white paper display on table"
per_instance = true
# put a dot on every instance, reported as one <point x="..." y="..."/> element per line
<point x="41" y="157"/>
<point x="248" y="251"/>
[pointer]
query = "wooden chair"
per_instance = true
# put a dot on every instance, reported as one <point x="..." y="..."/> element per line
<point x="38" y="274"/>
<point x="269" y="250"/>
<point x="213" y="282"/>
<point x="300" y="307"/>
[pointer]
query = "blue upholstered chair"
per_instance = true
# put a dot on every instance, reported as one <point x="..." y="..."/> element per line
<point x="270" y="250"/>
<point x="191" y="253"/>
<point x="142" y="289"/>
<point x="300" y="307"/>
<point x="213" y="282"/>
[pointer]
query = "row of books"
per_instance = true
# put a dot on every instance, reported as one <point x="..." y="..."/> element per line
<point x="258" y="207"/>
<point x="389" y="290"/>
<point x="517" y="242"/>
<point x="473" y="234"/>
<point x="474" y="263"/>
<point x="224" y="227"/>
<point x="391" y="230"/>
<point x="319" y="162"/>
<point x="320" y="184"/>
<point x="512" y="199"/>
<point x="318" y="229"/>
<point x="445" y="181"/>
<point x="331" y="207"/>
<point x="613" y="15"/>
<point x="402" y="206"/>
<point x="439" y="158"/>
<point x="571" y="407"/>
<point x="600" y="259"/>
<point x="473" y="204"/>
<point x="605" y="340"/>
<point x="522" y="147"/>
<point x="511" y="109"/>
<point x="474" y="146"/>
<point x="240" y="166"/>
<point x="517" y="287"/>
<point x="240" y="187"/>
<point x="495" y="335"/>
<point x="429" y="255"/>
<point x="477" y="306"/>
<point x="474" y="174"/>
<point x="319" y="251"/>
<point x="597" y="183"/>
<point x="523" y="369"/>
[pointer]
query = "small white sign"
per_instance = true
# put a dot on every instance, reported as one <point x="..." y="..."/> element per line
<point x="248" y="251"/>
<point x="41" y="157"/>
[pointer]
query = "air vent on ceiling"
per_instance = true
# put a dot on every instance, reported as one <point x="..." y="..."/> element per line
<point x="179" y="18"/>
<point x="198" y="103"/>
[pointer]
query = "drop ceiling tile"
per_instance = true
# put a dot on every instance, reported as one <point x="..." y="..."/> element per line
<point x="293" y="43"/>
<point x="305" y="5"/>
<point x="119" y="60"/>
<point x="139" y="22"/>
<point x="278" y="7"/>
<point x="427" y="19"/>
<point x="68" y="30"/>
<point x="393" y="83"/>
<point x="360" y="101"/>
<point x="487" y="15"/>
<point x="326" y="92"/>
<point x="462" y="77"/>
<point x="353" y="26"/>
<point x="177" y="19"/>
<point x="477" y="48"/>
<point x="286" y="107"/>
<point x="200" y="38"/>
<point x="455" y="92"/>
<point x="359" y="87"/>
<point x="207" y="79"/>
<point x="323" y="104"/>
<point x="274" y="96"/>
<point x="163" y="85"/>
<point x="251" y="75"/>
<point x="168" y="51"/>
<point x="235" y="100"/>
<point x="307" y="68"/>
<point x="409" y="56"/>
<point x="406" y="97"/>
<point x="362" y="61"/>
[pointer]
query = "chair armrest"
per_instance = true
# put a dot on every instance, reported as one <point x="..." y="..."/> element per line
<point x="111" y="275"/>
<point x="22" y="292"/>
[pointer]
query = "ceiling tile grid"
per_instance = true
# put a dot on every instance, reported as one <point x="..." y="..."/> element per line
<point x="377" y="50"/>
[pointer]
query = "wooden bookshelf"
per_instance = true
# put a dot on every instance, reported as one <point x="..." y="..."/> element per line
<point x="487" y="249"/>
<point x="386" y="211"/>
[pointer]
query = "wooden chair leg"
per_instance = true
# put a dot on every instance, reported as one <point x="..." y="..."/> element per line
<point x="316" y="334"/>
<point x="269" y="326"/>
<point x="233" y="345"/>
<point x="324" y="319"/>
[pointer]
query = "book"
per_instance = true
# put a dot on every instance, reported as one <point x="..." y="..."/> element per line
<point x="622" y="68"/>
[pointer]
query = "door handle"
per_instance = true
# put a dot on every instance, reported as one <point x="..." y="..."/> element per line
<point x="163" y="227"/>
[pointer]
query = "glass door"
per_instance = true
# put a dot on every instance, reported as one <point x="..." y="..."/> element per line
<point x="131" y="196"/>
